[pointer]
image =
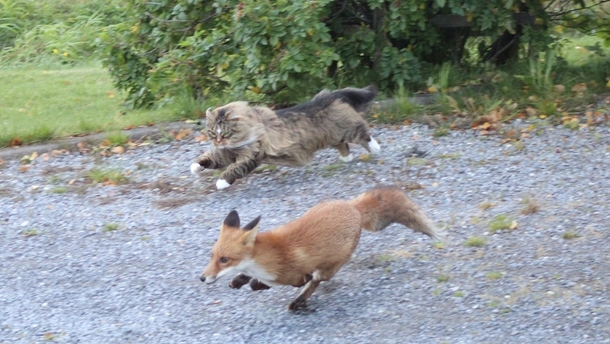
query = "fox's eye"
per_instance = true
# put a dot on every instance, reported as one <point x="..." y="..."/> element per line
<point x="224" y="260"/>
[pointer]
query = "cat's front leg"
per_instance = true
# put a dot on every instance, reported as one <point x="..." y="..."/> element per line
<point x="241" y="168"/>
<point x="213" y="158"/>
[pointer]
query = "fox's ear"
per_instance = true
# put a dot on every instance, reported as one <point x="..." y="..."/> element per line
<point x="249" y="237"/>
<point x="252" y="224"/>
<point x="232" y="220"/>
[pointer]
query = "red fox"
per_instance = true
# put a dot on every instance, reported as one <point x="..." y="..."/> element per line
<point x="312" y="248"/>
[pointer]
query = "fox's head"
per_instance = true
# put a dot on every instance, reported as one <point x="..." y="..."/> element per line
<point x="233" y="248"/>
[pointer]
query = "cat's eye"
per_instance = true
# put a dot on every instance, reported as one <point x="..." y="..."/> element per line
<point x="224" y="260"/>
<point x="212" y="133"/>
<point x="226" y="134"/>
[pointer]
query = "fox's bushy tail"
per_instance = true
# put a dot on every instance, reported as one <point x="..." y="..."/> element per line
<point x="383" y="206"/>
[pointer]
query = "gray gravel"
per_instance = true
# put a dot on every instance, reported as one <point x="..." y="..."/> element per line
<point x="67" y="276"/>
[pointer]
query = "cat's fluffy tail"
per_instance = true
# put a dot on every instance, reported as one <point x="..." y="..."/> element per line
<point x="358" y="98"/>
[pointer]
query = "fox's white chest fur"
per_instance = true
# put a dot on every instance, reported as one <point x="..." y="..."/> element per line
<point x="250" y="268"/>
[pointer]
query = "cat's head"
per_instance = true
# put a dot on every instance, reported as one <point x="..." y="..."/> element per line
<point x="231" y="126"/>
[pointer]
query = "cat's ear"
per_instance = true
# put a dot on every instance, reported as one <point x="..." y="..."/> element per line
<point x="208" y="112"/>
<point x="232" y="220"/>
<point x="233" y="116"/>
<point x="252" y="224"/>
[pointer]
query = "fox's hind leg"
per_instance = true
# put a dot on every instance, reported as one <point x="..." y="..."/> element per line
<point x="344" y="153"/>
<point x="317" y="277"/>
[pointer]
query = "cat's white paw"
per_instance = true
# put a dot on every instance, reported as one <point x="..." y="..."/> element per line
<point x="222" y="184"/>
<point x="196" y="168"/>
<point x="347" y="158"/>
<point x="374" y="146"/>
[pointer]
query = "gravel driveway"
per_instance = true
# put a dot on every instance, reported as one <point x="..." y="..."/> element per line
<point x="94" y="263"/>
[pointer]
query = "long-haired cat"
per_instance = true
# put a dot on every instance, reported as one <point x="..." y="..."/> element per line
<point x="245" y="136"/>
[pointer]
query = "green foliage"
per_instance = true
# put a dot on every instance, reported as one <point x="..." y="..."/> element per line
<point x="288" y="50"/>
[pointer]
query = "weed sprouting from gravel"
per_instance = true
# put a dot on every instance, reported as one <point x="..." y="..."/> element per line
<point x="59" y="190"/>
<point x="500" y="222"/>
<point x="475" y="241"/>
<point x="111" y="226"/>
<point x="494" y="275"/>
<point x="441" y="131"/>
<point x="485" y="205"/>
<point x="417" y="162"/>
<point x="531" y="206"/>
<point x="443" y="278"/>
<point x="107" y="176"/>
<point x="28" y="233"/>
<point x="569" y="235"/>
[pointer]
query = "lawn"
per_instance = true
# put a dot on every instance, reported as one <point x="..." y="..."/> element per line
<point x="41" y="104"/>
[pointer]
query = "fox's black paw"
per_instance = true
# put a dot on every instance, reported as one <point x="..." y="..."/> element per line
<point x="300" y="303"/>
<point x="258" y="285"/>
<point x="239" y="281"/>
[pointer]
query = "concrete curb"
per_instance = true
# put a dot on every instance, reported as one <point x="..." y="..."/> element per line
<point x="138" y="133"/>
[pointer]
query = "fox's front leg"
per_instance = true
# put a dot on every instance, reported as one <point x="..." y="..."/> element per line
<point x="241" y="168"/>
<point x="214" y="158"/>
<point x="239" y="281"/>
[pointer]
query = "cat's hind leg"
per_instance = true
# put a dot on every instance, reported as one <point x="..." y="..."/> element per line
<point x="344" y="153"/>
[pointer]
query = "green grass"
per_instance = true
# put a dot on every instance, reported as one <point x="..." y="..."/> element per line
<point x="500" y="222"/>
<point x="41" y="104"/>
<point x="109" y="176"/>
<point x="475" y="241"/>
<point x="443" y="278"/>
<point x="117" y="138"/>
<point x="109" y="227"/>
<point x="59" y="190"/>
<point x="494" y="275"/>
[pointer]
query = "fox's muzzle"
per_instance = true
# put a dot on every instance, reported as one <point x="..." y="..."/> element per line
<point x="207" y="280"/>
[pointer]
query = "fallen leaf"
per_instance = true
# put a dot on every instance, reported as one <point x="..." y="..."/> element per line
<point x="531" y="111"/>
<point x="23" y="169"/>
<point x="432" y="89"/>
<point x="15" y="141"/>
<point x="559" y="88"/>
<point x="513" y="225"/>
<point x="1" y="161"/>
<point x="579" y="87"/>
<point x="45" y="157"/>
<point x="182" y="133"/>
<point x="57" y="152"/>
<point x="118" y="150"/>
<point x="71" y="181"/>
